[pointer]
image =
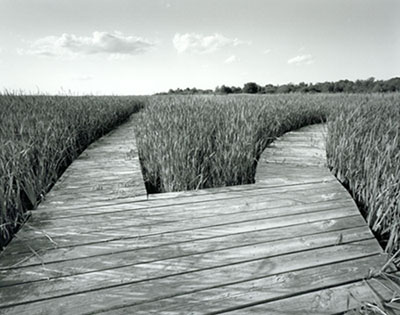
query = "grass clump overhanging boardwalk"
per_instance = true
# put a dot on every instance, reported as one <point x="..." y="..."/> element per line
<point x="40" y="136"/>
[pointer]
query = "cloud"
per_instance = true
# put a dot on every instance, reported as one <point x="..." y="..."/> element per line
<point x="201" y="44"/>
<point x="266" y="51"/>
<point x="82" y="77"/>
<point x="301" y="60"/>
<point x="98" y="43"/>
<point x="230" y="59"/>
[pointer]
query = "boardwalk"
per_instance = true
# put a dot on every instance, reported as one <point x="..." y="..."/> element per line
<point x="293" y="243"/>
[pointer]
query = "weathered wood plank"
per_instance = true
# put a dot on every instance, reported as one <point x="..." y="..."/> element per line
<point x="297" y="143"/>
<point x="296" y="161"/>
<point x="104" y="242"/>
<point x="238" y="295"/>
<point x="295" y="148"/>
<point x="287" y="203"/>
<point x="77" y="236"/>
<point x="285" y="174"/>
<point x="144" y="224"/>
<point x="334" y="300"/>
<point x="63" y="205"/>
<point x="226" y="274"/>
<point x="184" y="240"/>
<point x="185" y="261"/>
<point x="61" y="208"/>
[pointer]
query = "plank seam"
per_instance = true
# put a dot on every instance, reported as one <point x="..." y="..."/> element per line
<point x="188" y="255"/>
<point x="240" y="282"/>
<point x="343" y="203"/>
<point x="187" y="272"/>
<point x="207" y="226"/>
<point x="195" y="270"/>
<point x="160" y="233"/>
<point x="257" y="186"/>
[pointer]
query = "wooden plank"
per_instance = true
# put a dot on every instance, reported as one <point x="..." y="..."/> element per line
<point x="184" y="241"/>
<point x="196" y="196"/>
<point x="145" y="223"/>
<point x="296" y="161"/>
<point x="245" y="206"/>
<point x="89" y="264"/>
<point x="306" y="141"/>
<point x="294" y="148"/>
<point x="333" y="300"/>
<point x="76" y="235"/>
<point x="259" y="291"/>
<point x="177" y="259"/>
<point x="307" y="151"/>
<point x="64" y="205"/>
<point x="115" y="179"/>
<point x="284" y="174"/>
<point x="118" y="294"/>
<point x="283" y="156"/>
<point x="62" y="208"/>
<point x="296" y="155"/>
<point x="97" y="190"/>
<point x="99" y="243"/>
<point x="297" y="143"/>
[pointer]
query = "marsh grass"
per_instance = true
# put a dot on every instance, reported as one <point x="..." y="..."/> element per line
<point x="363" y="149"/>
<point x="193" y="142"/>
<point x="39" y="137"/>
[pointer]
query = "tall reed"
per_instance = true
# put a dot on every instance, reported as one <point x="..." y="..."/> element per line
<point x="363" y="149"/>
<point x="39" y="137"/>
<point x="209" y="141"/>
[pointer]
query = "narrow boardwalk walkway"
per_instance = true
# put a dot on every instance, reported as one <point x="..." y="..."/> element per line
<point x="293" y="243"/>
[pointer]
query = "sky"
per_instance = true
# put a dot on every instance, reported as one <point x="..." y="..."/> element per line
<point x="147" y="46"/>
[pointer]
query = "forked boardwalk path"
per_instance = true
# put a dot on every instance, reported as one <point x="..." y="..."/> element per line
<point x="293" y="243"/>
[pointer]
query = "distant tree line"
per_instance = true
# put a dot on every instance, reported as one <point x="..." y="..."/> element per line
<point x="343" y="86"/>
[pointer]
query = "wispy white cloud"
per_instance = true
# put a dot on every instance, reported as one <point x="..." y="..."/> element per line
<point x="266" y="51"/>
<point x="230" y="59"/>
<point x="70" y="45"/>
<point x="301" y="60"/>
<point x="202" y="44"/>
<point x="82" y="77"/>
